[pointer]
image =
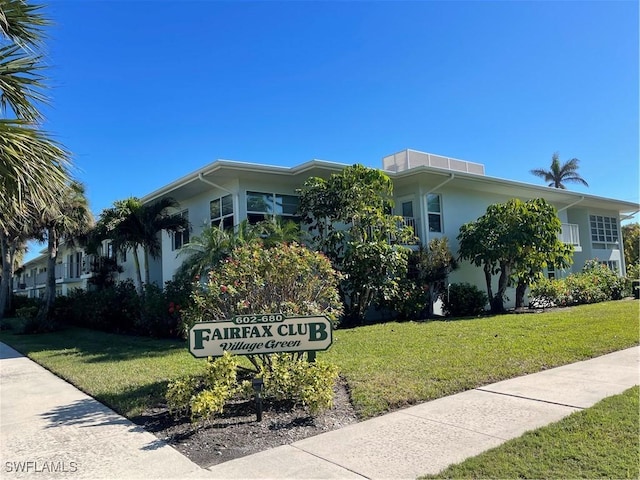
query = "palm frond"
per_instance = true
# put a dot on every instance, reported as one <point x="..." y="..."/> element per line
<point x="21" y="85"/>
<point x="21" y="22"/>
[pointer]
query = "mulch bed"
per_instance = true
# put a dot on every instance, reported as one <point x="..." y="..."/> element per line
<point x="236" y="433"/>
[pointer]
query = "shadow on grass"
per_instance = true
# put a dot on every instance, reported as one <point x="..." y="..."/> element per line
<point x="97" y="346"/>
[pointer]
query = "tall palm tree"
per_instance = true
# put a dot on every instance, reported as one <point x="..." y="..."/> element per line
<point x="12" y="247"/>
<point x="131" y="225"/>
<point x="29" y="160"/>
<point x="63" y="223"/>
<point x="557" y="174"/>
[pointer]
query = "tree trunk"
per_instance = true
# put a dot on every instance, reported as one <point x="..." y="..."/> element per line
<point x="12" y="270"/>
<point x="497" y="305"/>
<point x="487" y="278"/>
<point x="147" y="274"/>
<point x="6" y="270"/>
<point x="50" y="288"/>
<point x="520" y="291"/>
<point x="136" y="262"/>
<point x="430" y="300"/>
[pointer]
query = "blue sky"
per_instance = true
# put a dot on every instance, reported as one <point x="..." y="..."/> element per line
<point x="147" y="91"/>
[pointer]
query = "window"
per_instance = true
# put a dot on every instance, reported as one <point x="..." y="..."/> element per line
<point x="261" y="206"/>
<point x="612" y="265"/>
<point x="551" y="271"/>
<point x="604" y="232"/>
<point x="222" y="212"/>
<point x="434" y="212"/>
<point x="181" y="236"/>
<point x="407" y="209"/>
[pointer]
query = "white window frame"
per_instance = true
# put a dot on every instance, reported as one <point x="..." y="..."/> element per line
<point x="605" y="233"/>
<point x="273" y="207"/>
<point x="220" y="218"/>
<point x="434" y="213"/>
<point x="181" y="237"/>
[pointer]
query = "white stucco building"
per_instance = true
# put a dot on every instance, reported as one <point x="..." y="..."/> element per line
<point x="435" y="194"/>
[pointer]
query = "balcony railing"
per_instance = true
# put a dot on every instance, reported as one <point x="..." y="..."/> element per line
<point x="64" y="272"/>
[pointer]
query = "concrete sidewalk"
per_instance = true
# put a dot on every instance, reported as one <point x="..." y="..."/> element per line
<point x="49" y="429"/>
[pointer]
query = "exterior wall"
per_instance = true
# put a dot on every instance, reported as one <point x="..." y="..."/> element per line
<point x="459" y="205"/>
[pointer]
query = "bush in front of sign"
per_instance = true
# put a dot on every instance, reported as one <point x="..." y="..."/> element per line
<point x="201" y="396"/>
<point x="306" y="383"/>
<point x="286" y="377"/>
<point x="285" y="278"/>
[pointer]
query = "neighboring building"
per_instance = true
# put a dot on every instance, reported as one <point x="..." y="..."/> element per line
<point x="73" y="268"/>
<point x="435" y="194"/>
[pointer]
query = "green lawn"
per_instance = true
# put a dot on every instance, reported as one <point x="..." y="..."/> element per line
<point x="386" y="366"/>
<point x="599" y="442"/>
<point x="394" y="364"/>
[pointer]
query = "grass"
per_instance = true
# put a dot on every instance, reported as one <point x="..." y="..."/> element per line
<point x="127" y="373"/>
<point x="599" y="442"/>
<point x="387" y="366"/>
<point x="394" y="364"/>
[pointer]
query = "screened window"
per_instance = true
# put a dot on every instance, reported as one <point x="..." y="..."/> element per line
<point x="407" y="209"/>
<point x="261" y="206"/>
<point x="604" y="232"/>
<point x="434" y="212"/>
<point x="182" y="236"/>
<point x="222" y="212"/>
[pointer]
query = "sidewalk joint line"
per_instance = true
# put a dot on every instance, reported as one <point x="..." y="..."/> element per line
<point x="330" y="461"/>
<point x="460" y="427"/>
<point x="529" y="398"/>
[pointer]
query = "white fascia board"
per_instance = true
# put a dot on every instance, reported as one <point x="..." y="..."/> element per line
<point x="240" y="166"/>
<point x="517" y="186"/>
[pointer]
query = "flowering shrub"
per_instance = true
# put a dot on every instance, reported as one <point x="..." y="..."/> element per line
<point x="595" y="283"/>
<point x="285" y="278"/>
<point x="288" y="279"/>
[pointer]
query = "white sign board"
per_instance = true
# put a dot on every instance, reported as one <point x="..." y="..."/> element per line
<point x="254" y="334"/>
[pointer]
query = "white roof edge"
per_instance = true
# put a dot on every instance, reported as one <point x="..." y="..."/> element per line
<point x="239" y="165"/>
<point x="301" y="168"/>
<point x="512" y="183"/>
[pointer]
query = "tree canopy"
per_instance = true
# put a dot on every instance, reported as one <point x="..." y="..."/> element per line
<point x="131" y="224"/>
<point x="32" y="166"/>
<point x="516" y="240"/>
<point x="349" y="217"/>
<point x="631" y="242"/>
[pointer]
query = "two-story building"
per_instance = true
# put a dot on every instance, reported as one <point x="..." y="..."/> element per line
<point x="435" y="194"/>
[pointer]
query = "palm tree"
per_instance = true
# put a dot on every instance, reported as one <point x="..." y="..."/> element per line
<point x="131" y="225"/>
<point x="63" y="223"/>
<point x="12" y="248"/>
<point x="31" y="164"/>
<point x="567" y="172"/>
<point x="204" y="252"/>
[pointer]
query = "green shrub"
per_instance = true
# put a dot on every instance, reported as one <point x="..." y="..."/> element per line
<point x="547" y="293"/>
<point x="606" y="279"/>
<point x="33" y="323"/>
<point x="463" y="300"/>
<point x="113" y="309"/>
<point x="584" y="288"/>
<point x="20" y="301"/>
<point x="27" y="313"/>
<point x="179" y="395"/>
<point x="285" y="376"/>
<point x="305" y="383"/>
<point x="595" y="283"/>
<point x="288" y="279"/>
<point x="204" y="395"/>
